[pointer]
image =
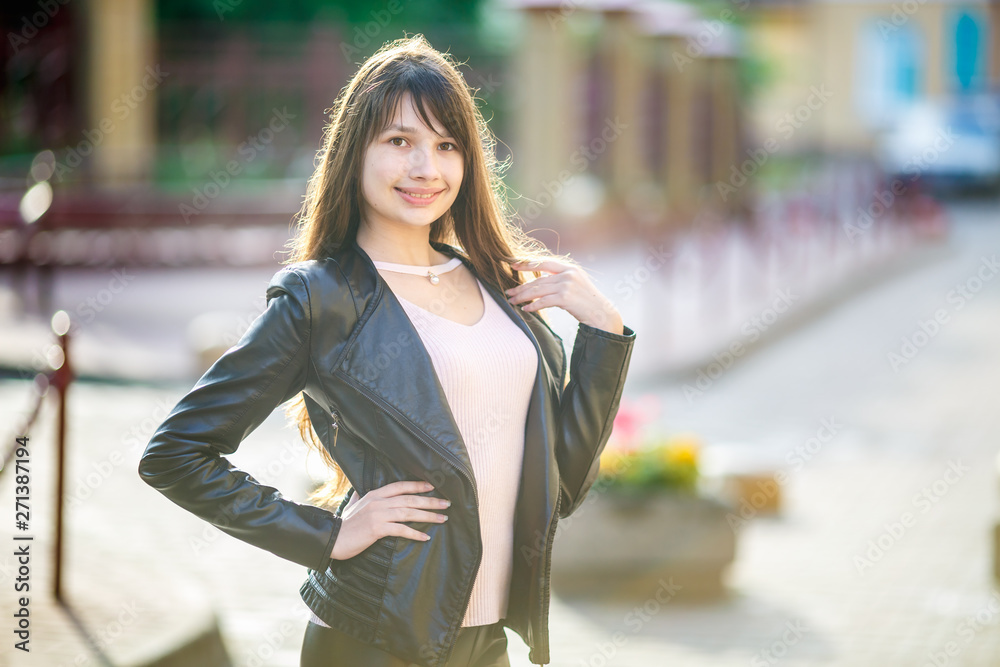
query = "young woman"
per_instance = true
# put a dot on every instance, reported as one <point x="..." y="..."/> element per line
<point x="406" y="326"/>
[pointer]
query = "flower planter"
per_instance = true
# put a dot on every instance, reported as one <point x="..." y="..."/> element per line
<point x="624" y="545"/>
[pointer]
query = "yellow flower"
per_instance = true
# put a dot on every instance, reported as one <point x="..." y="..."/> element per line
<point x="682" y="449"/>
<point x="682" y="454"/>
<point x="614" y="461"/>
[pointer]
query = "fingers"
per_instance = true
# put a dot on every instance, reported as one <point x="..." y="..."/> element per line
<point x="402" y="530"/>
<point x="414" y="514"/>
<point x="544" y="302"/>
<point x="400" y="505"/>
<point x="405" y="486"/>
<point x="548" y="265"/>
<point x="525" y="265"/>
<point x="396" y="518"/>
<point x="533" y="290"/>
<point x="418" y="508"/>
<point x="406" y="531"/>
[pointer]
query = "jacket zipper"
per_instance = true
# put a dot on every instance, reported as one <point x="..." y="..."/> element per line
<point x="369" y="471"/>
<point x="543" y="613"/>
<point x="543" y="609"/>
<point x="391" y="411"/>
<point x="336" y="426"/>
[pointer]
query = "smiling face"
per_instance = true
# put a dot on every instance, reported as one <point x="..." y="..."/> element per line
<point x="411" y="176"/>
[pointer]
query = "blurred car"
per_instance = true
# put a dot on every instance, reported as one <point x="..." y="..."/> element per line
<point x="952" y="145"/>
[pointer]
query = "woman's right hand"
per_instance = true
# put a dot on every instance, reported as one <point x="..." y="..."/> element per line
<point x="381" y="512"/>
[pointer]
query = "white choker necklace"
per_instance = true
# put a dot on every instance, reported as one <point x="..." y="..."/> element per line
<point x="430" y="271"/>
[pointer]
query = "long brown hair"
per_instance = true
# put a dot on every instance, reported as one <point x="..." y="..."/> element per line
<point x="479" y="222"/>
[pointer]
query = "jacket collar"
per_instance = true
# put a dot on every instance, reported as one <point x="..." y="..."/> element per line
<point x="387" y="358"/>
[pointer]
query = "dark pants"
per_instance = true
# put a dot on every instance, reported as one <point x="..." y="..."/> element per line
<point x="476" y="646"/>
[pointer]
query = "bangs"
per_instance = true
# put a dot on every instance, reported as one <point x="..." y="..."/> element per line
<point x="430" y="92"/>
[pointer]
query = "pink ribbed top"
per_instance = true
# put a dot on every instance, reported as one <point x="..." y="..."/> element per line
<point x="487" y="371"/>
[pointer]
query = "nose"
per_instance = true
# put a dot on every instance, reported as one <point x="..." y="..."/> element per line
<point x="423" y="163"/>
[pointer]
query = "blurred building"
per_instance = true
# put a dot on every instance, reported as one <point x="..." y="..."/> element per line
<point x="625" y="112"/>
<point x="871" y="60"/>
<point x="630" y="109"/>
<point x="81" y="80"/>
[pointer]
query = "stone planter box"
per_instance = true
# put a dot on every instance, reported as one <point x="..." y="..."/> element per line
<point x="621" y="546"/>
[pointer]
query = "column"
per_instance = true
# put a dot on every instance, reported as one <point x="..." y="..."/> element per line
<point x="122" y="78"/>
<point x="546" y="108"/>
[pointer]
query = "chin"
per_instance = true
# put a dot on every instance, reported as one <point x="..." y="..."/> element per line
<point x="419" y="223"/>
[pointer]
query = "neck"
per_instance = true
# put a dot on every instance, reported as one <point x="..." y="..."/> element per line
<point x="411" y="246"/>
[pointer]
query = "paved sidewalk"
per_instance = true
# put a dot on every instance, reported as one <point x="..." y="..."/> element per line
<point x="126" y="542"/>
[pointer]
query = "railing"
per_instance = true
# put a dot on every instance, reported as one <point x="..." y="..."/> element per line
<point x="58" y="377"/>
<point x="42" y="229"/>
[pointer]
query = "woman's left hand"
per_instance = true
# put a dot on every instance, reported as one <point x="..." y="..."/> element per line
<point x="569" y="288"/>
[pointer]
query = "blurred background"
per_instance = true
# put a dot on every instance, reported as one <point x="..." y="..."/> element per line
<point x="793" y="203"/>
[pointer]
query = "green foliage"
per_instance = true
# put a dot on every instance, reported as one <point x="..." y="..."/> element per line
<point x="755" y="73"/>
<point x="663" y="464"/>
<point x="356" y="12"/>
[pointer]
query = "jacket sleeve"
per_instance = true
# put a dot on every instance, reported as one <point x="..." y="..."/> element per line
<point x="185" y="458"/>
<point x="588" y="407"/>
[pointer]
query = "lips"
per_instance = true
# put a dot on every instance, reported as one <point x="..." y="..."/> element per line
<point x="418" y="195"/>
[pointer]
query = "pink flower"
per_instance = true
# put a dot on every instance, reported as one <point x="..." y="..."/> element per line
<point x="632" y="416"/>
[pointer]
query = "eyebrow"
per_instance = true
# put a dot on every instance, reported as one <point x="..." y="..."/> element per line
<point x="405" y="129"/>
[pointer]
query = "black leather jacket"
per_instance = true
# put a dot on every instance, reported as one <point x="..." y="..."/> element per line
<point x="333" y="330"/>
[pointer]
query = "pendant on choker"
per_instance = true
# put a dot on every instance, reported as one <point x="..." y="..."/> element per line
<point x="432" y="273"/>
